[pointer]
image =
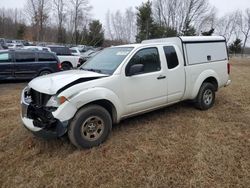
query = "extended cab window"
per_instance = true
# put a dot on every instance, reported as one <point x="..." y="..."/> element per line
<point x="25" y="57"/>
<point x="149" y="58"/>
<point x="171" y="57"/>
<point x="4" y="57"/>
<point x="46" y="57"/>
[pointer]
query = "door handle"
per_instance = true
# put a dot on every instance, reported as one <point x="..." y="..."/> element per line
<point x="161" y="77"/>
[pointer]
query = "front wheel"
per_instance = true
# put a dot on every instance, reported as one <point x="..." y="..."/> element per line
<point x="206" y="96"/>
<point x="90" y="127"/>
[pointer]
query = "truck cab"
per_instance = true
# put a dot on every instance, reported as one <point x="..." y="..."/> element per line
<point x="125" y="81"/>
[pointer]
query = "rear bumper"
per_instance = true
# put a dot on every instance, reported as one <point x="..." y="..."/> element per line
<point x="40" y="128"/>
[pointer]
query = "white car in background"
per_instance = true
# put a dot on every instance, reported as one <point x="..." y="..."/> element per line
<point x="75" y="51"/>
<point x="14" y="46"/>
<point x="68" y="61"/>
<point x="38" y="48"/>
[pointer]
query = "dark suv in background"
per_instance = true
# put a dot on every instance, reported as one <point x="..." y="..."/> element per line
<point x="24" y="64"/>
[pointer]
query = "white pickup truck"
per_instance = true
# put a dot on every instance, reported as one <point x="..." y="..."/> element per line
<point x="67" y="60"/>
<point x="125" y="81"/>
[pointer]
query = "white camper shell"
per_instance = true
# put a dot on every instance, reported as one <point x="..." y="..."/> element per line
<point x="198" y="49"/>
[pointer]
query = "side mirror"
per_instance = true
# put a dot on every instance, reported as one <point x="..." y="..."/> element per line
<point x="135" y="69"/>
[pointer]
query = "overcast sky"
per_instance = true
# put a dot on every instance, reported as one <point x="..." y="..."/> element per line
<point x="100" y="7"/>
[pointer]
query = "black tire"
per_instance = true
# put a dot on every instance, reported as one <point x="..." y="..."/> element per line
<point x="82" y="128"/>
<point x="206" y="96"/>
<point x="45" y="72"/>
<point x="66" y="66"/>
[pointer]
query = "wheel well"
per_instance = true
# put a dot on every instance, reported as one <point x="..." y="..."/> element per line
<point x="67" y="62"/>
<point x="44" y="70"/>
<point x="108" y="106"/>
<point x="213" y="81"/>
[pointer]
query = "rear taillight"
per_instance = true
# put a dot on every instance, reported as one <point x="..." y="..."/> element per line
<point x="59" y="66"/>
<point x="79" y="62"/>
<point x="228" y="68"/>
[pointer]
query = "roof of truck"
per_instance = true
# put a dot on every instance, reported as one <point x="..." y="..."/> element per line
<point x="187" y="39"/>
<point x="179" y="40"/>
<point x="202" y="38"/>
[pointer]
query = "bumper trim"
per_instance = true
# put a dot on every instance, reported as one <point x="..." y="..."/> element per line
<point x="228" y="83"/>
<point x="28" y="124"/>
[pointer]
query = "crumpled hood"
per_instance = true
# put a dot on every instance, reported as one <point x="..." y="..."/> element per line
<point x="52" y="83"/>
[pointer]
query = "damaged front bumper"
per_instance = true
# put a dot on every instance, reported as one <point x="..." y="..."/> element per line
<point x="40" y="119"/>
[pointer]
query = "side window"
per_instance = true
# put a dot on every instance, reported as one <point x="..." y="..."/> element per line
<point x="149" y="57"/>
<point x="25" y="57"/>
<point x="46" y="57"/>
<point x="171" y="56"/>
<point x="61" y="50"/>
<point x="4" y="57"/>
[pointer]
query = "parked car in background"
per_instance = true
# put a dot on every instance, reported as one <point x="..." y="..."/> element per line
<point x="38" y="48"/>
<point x="85" y="48"/>
<point x="3" y="43"/>
<point x="68" y="61"/>
<point x="75" y="51"/>
<point x="24" y="64"/>
<point x="88" y="55"/>
<point x="14" y="46"/>
<point x="23" y="42"/>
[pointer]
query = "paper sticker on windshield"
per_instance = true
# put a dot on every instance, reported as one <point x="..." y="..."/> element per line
<point x="122" y="53"/>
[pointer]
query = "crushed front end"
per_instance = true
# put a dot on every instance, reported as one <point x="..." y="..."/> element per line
<point x="38" y="117"/>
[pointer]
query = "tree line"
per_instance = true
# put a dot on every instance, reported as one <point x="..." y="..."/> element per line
<point x="70" y="21"/>
<point x="59" y="21"/>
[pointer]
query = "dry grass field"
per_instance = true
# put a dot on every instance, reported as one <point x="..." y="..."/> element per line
<point x="174" y="147"/>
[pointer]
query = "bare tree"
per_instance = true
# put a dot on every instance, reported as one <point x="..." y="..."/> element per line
<point x="244" y="25"/>
<point x="38" y="12"/>
<point x="108" y="29"/>
<point x="11" y="23"/>
<point x="130" y="25"/>
<point x="177" y="14"/>
<point x="80" y="11"/>
<point x="227" y="25"/>
<point x="121" y="26"/>
<point x="59" y="6"/>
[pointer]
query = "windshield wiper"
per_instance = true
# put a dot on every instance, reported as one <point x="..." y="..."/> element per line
<point x="92" y="70"/>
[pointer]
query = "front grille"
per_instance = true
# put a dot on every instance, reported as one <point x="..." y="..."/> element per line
<point x="39" y="99"/>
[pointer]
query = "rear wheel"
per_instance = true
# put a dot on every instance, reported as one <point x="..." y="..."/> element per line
<point x="90" y="127"/>
<point x="206" y="96"/>
<point x="66" y="66"/>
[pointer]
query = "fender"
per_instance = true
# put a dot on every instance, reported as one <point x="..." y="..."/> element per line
<point x="201" y="78"/>
<point x="94" y="94"/>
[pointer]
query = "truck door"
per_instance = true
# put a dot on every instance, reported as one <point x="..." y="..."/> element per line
<point x="148" y="88"/>
<point x="175" y="74"/>
<point x="6" y="65"/>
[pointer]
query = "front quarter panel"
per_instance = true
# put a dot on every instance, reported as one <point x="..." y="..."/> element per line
<point x="90" y="95"/>
<point x="65" y="112"/>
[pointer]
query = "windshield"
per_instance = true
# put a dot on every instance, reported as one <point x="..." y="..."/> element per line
<point x="107" y="61"/>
